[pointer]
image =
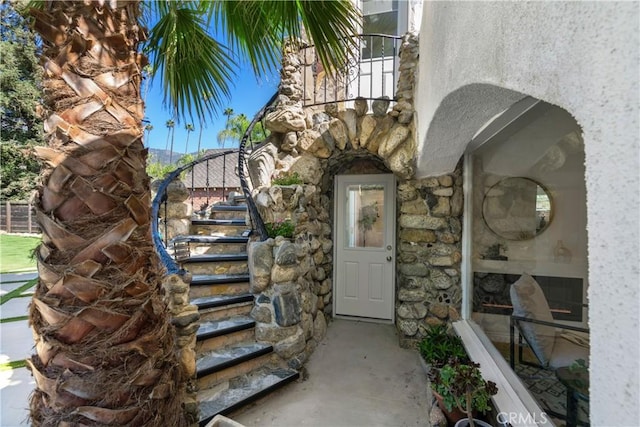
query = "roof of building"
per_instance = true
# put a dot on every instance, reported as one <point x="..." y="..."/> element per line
<point x="218" y="172"/>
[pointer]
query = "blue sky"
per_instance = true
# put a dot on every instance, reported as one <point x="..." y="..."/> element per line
<point x="247" y="96"/>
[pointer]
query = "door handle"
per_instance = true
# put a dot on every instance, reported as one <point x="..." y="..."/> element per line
<point x="389" y="258"/>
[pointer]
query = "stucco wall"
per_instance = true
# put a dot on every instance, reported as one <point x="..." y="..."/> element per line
<point x="476" y="59"/>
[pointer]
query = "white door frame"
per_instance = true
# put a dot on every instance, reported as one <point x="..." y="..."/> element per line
<point x="390" y="213"/>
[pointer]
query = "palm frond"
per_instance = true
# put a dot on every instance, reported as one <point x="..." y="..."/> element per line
<point x="257" y="29"/>
<point x="331" y="25"/>
<point x="196" y="70"/>
<point x="191" y="62"/>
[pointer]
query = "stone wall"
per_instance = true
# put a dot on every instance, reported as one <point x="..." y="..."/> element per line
<point x="185" y="320"/>
<point x="429" y="233"/>
<point x="176" y="219"/>
<point x="293" y="279"/>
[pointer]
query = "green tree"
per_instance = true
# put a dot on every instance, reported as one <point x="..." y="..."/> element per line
<point x="157" y="170"/>
<point x="228" y="113"/>
<point x="21" y="129"/>
<point x="104" y="345"/>
<point x="235" y="128"/>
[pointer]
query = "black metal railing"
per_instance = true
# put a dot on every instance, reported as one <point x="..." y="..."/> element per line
<point x="370" y="73"/>
<point x="209" y="164"/>
<point x="246" y="145"/>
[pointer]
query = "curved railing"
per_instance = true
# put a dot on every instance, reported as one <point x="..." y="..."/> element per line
<point x="256" y="218"/>
<point x="161" y="241"/>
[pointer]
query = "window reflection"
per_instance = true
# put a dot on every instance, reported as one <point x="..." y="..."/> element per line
<point x="380" y="17"/>
<point x="365" y="216"/>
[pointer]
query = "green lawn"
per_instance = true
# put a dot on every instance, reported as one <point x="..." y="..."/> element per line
<point x="15" y="252"/>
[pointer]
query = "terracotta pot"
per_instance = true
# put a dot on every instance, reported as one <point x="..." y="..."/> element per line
<point x="465" y="423"/>
<point x="453" y="416"/>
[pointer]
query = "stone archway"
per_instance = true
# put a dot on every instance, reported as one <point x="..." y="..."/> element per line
<point x="315" y="145"/>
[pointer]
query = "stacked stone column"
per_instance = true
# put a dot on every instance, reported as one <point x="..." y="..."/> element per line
<point x="429" y="254"/>
<point x="185" y="319"/>
<point x="290" y="277"/>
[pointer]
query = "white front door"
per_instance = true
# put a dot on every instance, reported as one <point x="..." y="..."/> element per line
<point x="365" y="246"/>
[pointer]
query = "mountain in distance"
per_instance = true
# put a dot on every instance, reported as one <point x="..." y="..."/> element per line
<point x="162" y="156"/>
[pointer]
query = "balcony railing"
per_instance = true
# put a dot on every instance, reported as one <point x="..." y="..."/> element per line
<point x="370" y="73"/>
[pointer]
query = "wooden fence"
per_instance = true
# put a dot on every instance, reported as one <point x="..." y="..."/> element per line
<point x="18" y="217"/>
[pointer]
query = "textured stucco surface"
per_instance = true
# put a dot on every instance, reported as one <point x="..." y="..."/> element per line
<point x="477" y="58"/>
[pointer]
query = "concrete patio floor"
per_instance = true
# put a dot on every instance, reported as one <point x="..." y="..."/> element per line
<point x="358" y="376"/>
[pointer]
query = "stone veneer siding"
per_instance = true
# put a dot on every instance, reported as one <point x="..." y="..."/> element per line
<point x="292" y="278"/>
<point x="429" y="233"/>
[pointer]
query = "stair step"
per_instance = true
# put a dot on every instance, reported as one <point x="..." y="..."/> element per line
<point x="217" y="264"/>
<point x="243" y="391"/>
<point x="229" y="268"/>
<point x="226" y="222"/>
<point x="234" y="285"/>
<point x="222" y="327"/>
<point x="229" y="208"/>
<point x="220" y="230"/>
<point x="225" y="311"/>
<point x="195" y="238"/>
<point x="220" y="300"/>
<point x="222" y="359"/>
<point x="218" y="279"/>
<point x="227" y="340"/>
<point x="242" y="256"/>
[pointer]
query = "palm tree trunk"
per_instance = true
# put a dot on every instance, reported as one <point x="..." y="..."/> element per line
<point x="166" y="145"/>
<point x="173" y="133"/>
<point x="199" y="141"/>
<point x="104" y="345"/>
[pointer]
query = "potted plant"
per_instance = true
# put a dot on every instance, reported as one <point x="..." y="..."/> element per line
<point x="462" y="386"/>
<point x="437" y="347"/>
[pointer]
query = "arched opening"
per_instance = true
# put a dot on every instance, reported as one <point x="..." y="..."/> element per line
<point x="362" y="190"/>
<point x="525" y="252"/>
<point x="455" y="122"/>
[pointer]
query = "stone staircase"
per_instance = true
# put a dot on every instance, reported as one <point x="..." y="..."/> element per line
<point x="233" y="369"/>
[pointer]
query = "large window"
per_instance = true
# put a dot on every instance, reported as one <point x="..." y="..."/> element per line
<point x="529" y="217"/>
<point x="526" y="226"/>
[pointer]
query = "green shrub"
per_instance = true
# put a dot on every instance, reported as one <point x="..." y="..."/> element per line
<point x="438" y="346"/>
<point x="280" y="228"/>
<point x="287" y="180"/>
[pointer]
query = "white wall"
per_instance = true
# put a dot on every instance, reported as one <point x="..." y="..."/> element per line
<point x="478" y="58"/>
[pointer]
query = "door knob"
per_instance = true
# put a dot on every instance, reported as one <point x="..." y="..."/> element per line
<point x="388" y="258"/>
